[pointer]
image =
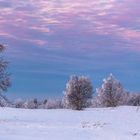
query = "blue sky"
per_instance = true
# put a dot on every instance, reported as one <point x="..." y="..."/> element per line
<point x="47" y="41"/>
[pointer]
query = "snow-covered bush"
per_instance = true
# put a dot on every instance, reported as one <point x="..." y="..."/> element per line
<point x="35" y="104"/>
<point x="134" y="100"/>
<point x="53" y="104"/>
<point x="78" y="90"/>
<point x="93" y="103"/>
<point x="31" y="104"/>
<point x="19" y="103"/>
<point x="111" y="93"/>
<point x="42" y="104"/>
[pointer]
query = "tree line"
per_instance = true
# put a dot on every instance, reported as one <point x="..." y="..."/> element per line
<point x="78" y="93"/>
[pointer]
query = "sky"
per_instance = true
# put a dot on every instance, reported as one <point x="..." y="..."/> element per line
<point x="49" y="40"/>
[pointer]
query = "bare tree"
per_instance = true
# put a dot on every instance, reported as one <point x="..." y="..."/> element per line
<point x="78" y="90"/>
<point x="111" y="93"/>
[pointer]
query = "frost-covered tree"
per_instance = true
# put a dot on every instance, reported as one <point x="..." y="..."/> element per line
<point x="53" y="104"/>
<point x="78" y="90"/>
<point x="45" y="101"/>
<point x="19" y="103"/>
<point x="4" y="76"/>
<point x="4" y="102"/>
<point x="134" y="99"/>
<point x="111" y="93"/>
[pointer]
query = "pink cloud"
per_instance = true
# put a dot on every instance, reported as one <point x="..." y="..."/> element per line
<point x="131" y="34"/>
<point x="110" y="17"/>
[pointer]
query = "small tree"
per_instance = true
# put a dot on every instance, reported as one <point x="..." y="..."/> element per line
<point x="78" y="91"/>
<point x="111" y="93"/>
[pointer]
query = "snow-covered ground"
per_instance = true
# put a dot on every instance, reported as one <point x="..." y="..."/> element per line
<point x="121" y="123"/>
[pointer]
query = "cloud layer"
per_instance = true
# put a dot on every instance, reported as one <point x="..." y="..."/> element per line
<point x="29" y="20"/>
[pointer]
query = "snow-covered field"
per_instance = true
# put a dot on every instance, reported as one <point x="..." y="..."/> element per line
<point x="121" y="123"/>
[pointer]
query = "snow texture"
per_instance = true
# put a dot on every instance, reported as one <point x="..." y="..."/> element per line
<point x="120" y="123"/>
